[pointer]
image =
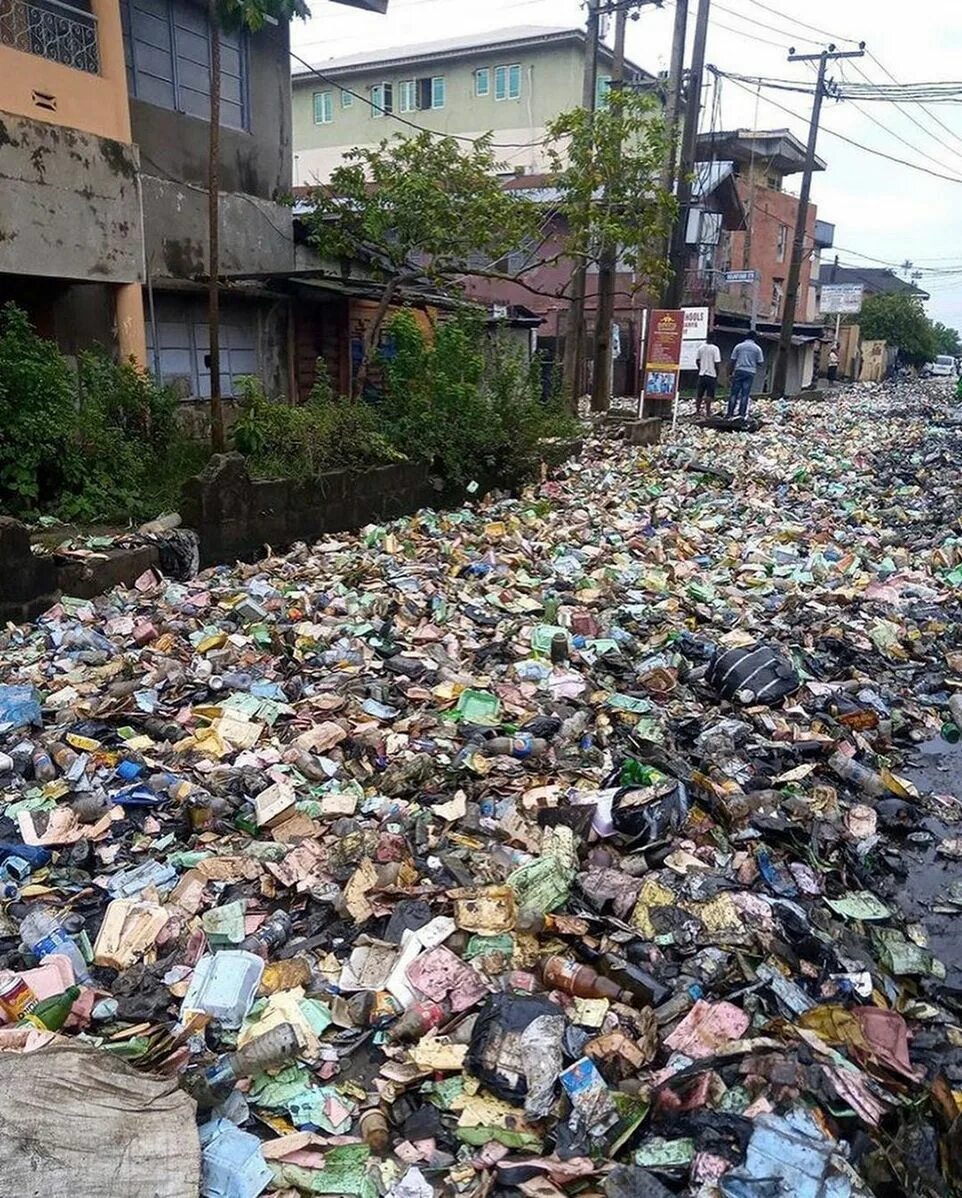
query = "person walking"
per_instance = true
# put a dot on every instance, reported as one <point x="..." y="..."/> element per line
<point x="708" y="359"/>
<point x="746" y="358"/>
<point x="833" y="364"/>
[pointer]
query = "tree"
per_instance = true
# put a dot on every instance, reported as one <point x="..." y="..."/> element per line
<point x="419" y="207"/>
<point x="606" y="166"/>
<point x="946" y="340"/>
<point x="900" y="320"/>
<point x="251" y="15"/>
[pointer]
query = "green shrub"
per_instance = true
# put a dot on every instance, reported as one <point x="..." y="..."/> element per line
<point x="95" y="444"/>
<point x="468" y="404"/>
<point x="38" y="415"/>
<point x="281" y="440"/>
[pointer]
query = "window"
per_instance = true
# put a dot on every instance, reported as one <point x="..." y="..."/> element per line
<point x="167" y="52"/>
<point x="778" y="294"/>
<point x="183" y="345"/>
<point x="602" y="87"/>
<point x="482" y="81"/>
<point x="437" y="91"/>
<point x="406" y="95"/>
<point x="507" y="82"/>
<point x="347" y="99"/>
<point x="323" y="108"/>
<point x="781" y="243"/>
<point x="382" y="99"/>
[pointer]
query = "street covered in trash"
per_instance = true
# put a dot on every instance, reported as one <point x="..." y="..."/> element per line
<point x="604" y="839"/>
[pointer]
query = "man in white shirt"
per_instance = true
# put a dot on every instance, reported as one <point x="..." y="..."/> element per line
<point x="707" y="358"/>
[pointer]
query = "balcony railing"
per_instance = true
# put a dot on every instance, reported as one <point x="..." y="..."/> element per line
<point x="52" y="30"/>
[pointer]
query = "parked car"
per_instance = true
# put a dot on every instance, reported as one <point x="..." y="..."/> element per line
<point x="943" y="367"/>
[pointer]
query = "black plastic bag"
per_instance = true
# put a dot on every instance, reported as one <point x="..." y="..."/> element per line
<point x="758" y="675"/>
<point x="494" y="1054"/>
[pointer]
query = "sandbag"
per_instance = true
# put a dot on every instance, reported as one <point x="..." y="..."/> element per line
<point x="77" y="1121"/>
<point x="758" y="675"/>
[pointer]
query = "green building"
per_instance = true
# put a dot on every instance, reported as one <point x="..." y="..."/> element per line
<point x="511" y="82"/>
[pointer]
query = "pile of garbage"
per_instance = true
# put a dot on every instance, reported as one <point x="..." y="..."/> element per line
<point x="561" y="844"/>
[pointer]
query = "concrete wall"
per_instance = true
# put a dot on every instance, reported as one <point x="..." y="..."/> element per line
<point x="257" y="161"/>
<point x="256" y="235"/>
<point x="70" y="207"/>
<point x="236" y="517"/>
<point x="550" y="84"/>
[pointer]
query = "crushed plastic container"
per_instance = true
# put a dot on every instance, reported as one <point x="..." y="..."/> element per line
<point x="223" y="986"/>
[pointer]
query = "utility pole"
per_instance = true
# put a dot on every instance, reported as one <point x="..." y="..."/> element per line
<point x="608" y="261"/>
<point x="801" y="220"/>
<point x="676" y="79"/>
<point x="575" y="330"/>
<point x="686" y="166"/>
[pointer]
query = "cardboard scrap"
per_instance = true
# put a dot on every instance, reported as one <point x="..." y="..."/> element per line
<point x="130" y="928"/>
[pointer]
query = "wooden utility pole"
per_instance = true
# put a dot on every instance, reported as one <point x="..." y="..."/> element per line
<point x="801" y="220"/>
<point x="608" y="261"/>
<point x="575" y="328"/>
<point x="676" y="80"/>
<point x="217" y="437"/>
<point x="689" y="146"/>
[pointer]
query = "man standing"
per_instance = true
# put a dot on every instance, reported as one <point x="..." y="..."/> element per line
<point x="747" y="356"/>
<point x="833" y="364"/>
<point x="707" y="358"/>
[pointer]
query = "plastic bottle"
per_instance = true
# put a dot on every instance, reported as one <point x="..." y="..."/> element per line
<point x="521" y="746"/>
<point x="558" y="651"/>
<point x="44" y="769"/>
<point x="272" y="933"/>
<point x="418" y="1020"/>
<point x="955" y="710"/>
<point x="44" y="934"/>
<point x="859" y="775"/>
<point x="560" y="973"/>
<point x="64" y="757"/>
<point x="213" y="1085"/>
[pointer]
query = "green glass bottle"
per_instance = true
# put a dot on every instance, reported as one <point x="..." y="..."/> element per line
<point x="50" y="1014"/>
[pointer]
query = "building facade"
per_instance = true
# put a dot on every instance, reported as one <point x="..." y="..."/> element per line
<point x="759" y="162"/>
<point x="512" y="82"/>
<point x="104" y="128"/>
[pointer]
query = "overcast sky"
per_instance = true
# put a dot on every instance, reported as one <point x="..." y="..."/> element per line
<point x="879" y="208"/>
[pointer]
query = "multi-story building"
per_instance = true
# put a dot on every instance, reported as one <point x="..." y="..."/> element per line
<point x="103" y="177"/>
<point x="511" y="82"/>
<point x="759" y="161"/>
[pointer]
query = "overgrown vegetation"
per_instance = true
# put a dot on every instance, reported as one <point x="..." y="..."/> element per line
<point x="281" y="440"/>
<point x="468" y="406"/>
<point x="95" y="443"/>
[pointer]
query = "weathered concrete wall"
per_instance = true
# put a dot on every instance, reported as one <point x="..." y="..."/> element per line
<point x="256" y="162"/>
<point x="69" y="204"/>
<point x="255" y="234"/>
<point x="236" y="517"/>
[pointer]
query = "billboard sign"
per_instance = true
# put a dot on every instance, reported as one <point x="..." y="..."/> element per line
<point x="841" y="298"/>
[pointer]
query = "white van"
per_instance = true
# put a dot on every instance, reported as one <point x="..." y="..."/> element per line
<point x="943" y="367"/>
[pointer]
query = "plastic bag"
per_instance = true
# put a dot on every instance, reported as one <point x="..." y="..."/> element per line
<point x="758" y="675"/>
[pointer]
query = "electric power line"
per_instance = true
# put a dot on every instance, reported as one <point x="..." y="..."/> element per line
<point x="841" y="136"/>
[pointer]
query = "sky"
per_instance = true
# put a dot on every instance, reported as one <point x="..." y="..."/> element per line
<point x="881" y="210"/>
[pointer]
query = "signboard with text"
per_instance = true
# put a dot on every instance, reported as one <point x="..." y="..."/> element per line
<point x="696" y="324"/>
<point x="666" y="329"/>
<point x="841" y="297"/>
<point x="740" y="276"/>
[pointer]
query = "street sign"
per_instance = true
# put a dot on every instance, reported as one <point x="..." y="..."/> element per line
<point x="740" y="276"/>
<point x="841" y="297"/>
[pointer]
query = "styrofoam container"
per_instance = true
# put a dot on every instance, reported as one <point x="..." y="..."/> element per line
<point x="223" y="986"/>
